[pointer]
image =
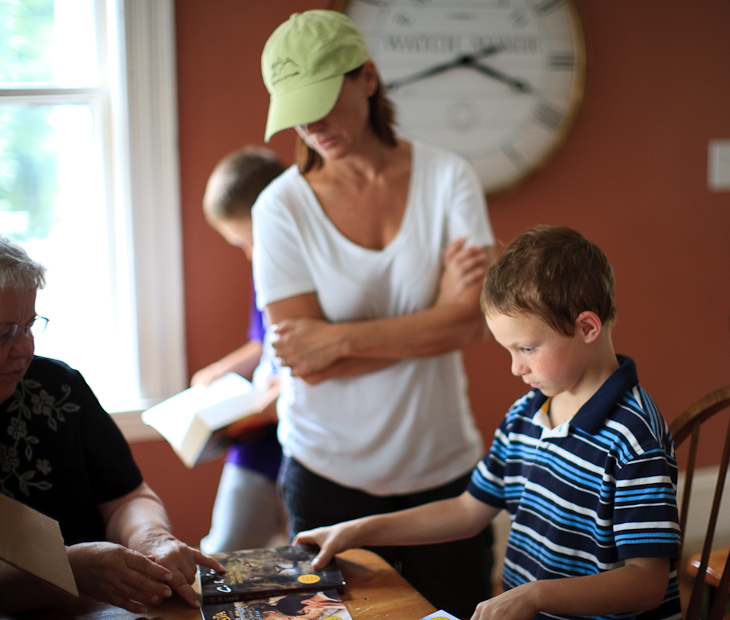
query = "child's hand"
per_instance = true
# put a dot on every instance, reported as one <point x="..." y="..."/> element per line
<point x="330" y="540"/>
<point x="516" y="604"/>
<point x="206" y="376"/>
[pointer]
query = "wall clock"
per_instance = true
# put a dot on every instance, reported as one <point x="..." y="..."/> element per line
<point x="498" y="81"/>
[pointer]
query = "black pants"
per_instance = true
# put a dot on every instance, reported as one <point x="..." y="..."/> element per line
<point x="453" y="576"/>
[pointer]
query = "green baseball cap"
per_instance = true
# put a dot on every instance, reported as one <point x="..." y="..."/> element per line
<point x="304" y="63"/>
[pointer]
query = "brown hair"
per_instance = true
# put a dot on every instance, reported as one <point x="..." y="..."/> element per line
<point x="236" y="182"/>
<point x="382" y="121"/>
<point x="554" y="273"/>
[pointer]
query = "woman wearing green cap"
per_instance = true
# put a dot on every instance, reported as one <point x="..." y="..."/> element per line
<point x="348" y="256"/>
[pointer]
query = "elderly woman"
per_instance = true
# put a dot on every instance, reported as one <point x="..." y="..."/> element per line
<point x="62" y="454"/>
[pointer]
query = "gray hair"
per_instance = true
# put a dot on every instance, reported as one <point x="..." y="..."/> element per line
<point x="17" y="269"/>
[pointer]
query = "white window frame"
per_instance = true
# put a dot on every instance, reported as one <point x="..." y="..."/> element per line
<point x="142" y="159"/>
<point x="149" y="180"/>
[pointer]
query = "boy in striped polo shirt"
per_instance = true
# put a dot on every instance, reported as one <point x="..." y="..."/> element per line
<point x="583" y="462"/>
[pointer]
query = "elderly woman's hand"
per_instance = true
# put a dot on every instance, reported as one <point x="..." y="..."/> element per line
<point x="111" y="573"/>
<point x="180" y="559"/>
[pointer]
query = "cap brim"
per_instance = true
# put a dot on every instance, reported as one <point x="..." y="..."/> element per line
<point x="302" y="105"/>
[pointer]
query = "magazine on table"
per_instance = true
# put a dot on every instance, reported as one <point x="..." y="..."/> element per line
<point x="266" y="572"/>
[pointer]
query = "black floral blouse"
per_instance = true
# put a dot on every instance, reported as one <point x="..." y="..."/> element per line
<point x="60" y="452"/>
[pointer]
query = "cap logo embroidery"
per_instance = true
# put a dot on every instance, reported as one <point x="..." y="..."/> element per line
<point x="282" y="69"/>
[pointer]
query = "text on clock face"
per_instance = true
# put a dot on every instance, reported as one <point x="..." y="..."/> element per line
<point x="497" y="81"/>
<point x="456" y="44"/>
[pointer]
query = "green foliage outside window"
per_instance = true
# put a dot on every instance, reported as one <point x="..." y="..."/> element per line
<point x="29" y="182"/>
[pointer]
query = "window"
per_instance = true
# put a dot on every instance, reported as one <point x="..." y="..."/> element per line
<point x="89" y="186"/>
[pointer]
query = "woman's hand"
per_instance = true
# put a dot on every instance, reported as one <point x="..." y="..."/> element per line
<point x="138" y="521"/>
<point x="316" y="350"/>
<point x="111" y="573"/>
<point x="306" y="345"/>
<point x="179" y="559"/>
<point x="463" y="267"/>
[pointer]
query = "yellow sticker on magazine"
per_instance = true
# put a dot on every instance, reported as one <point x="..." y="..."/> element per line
<point x="308" y="578"/>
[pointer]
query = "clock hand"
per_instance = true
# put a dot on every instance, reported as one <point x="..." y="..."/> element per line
<point x="459" y="61"/>
<point x="519" y="85"/>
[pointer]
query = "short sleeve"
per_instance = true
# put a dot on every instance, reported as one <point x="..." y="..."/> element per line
<point x="111" y="467"/>
<point x="469" y="216"/>
<point x="280" y="269"/>
<point x="646" y="521"/>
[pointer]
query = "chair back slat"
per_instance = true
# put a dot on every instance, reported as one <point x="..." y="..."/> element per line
<point x="717" y="609"/>
<point x="688" y="480"/>
<point x="688" y="426"/>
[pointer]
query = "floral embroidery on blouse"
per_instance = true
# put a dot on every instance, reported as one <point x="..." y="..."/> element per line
<point x="17" y="462"/>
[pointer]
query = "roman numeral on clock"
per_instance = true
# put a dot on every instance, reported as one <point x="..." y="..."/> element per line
<point x="548" y="117"/>
<point x="547" y="5"/>
<point x="561" y="61"/>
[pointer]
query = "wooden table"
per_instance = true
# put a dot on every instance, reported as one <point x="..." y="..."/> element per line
<point x="373" y="591"/>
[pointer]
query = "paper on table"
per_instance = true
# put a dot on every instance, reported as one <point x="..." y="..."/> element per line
<point x="32" y="542"/>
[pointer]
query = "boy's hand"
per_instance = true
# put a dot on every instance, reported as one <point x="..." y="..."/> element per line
<point x="642" y="583"/>
<point x="330" y="540"/>
<point x="515" y="604"/>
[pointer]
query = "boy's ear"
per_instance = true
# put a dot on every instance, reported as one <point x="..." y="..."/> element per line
<point x="589" y="326"/>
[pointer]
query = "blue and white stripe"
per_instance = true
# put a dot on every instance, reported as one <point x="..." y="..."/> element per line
<point x="584" y="501"/>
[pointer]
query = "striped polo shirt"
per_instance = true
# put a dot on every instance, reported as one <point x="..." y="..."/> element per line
<point x="588" y="494"/>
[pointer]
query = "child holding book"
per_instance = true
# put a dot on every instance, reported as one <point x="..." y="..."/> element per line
<point x="247" y="512"/>
<point x="583" y="462"/>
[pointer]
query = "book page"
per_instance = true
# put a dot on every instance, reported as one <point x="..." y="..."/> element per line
<point x="222" y="401"/>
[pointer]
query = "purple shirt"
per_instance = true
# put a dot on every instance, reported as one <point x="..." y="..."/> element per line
<point x="261" y="454"/>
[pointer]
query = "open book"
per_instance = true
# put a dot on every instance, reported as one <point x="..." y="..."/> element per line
<point x="201" y="422"/>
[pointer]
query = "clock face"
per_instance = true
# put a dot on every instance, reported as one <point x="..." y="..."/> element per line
<point x="498" y="81"/>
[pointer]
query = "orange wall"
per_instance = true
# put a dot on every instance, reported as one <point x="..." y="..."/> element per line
<point x="631" y="177"/>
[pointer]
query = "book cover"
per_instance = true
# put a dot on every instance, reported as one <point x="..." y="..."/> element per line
<point x="271" y="571"/>
<point x="440" y="615"/>
<point x="201" y="422"/>
<point x="32" y="542"/>
<point x="317" y="605"/>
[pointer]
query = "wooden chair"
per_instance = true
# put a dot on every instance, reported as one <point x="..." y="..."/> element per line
<point x="688" y="426"/>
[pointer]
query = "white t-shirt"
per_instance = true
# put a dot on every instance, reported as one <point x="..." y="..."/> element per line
<point x="408" y="427"/>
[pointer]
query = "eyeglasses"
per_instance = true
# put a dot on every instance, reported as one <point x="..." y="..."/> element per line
<point x="10" y="332"/>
